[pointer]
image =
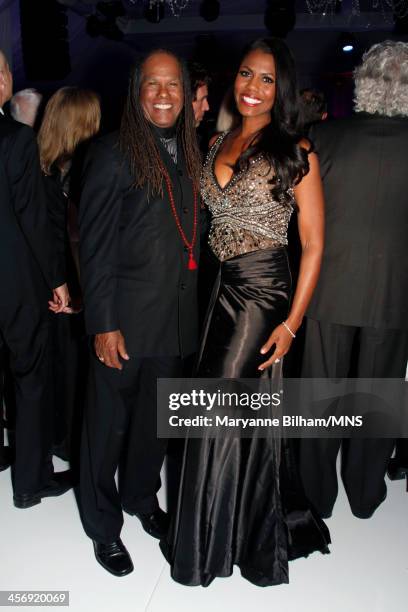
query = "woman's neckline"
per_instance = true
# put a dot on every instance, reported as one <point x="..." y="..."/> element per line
<point x="218" y="144"/>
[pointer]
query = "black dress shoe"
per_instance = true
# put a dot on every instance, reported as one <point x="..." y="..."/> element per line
<point x="5" y="458"/>
<point x="60" y="483"/>
<point x="155" y="524"/>
<point x="113" y="557"/>
<point x="366" y="514"/>
<point x="397" y="469"/>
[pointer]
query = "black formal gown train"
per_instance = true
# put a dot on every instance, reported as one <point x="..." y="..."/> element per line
<point x="240" y="501"/>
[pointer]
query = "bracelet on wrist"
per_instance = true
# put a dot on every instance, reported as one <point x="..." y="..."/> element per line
<point x="288" y="328"/>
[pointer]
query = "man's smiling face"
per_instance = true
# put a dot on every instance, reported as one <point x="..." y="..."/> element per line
<point x="161" y="90"/>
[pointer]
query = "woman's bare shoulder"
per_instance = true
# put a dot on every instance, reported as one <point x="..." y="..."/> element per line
<point x="305" y="143"/>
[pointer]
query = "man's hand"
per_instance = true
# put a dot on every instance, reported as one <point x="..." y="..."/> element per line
<point x="109" y="347"/>
<point x="60" y="299"/>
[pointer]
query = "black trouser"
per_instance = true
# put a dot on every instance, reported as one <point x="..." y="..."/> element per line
<point x="333" y="350"/>
<point x="2" y="367"/>
<point x="120" y="430"/>
<point x="25" y="335"/>
<point x="69" y="368"/>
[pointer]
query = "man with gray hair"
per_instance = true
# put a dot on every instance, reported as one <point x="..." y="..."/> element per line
<point x="357" y="322"/>
<point x="24" y="106"/>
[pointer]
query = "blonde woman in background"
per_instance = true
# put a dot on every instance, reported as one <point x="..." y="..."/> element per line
<point x="71" y="118"/>
<point x="228" y="117"/>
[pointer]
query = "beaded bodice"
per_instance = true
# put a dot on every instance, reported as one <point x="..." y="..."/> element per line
<point x="245" y="216"/>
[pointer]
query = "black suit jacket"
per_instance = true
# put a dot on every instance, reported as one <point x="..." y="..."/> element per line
<point x="364" y="276"/>
<point x="27" y="248"/>
<point x="133" y="262"/>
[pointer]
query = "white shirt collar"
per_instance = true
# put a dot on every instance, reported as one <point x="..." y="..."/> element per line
<point x="1" y="111"/>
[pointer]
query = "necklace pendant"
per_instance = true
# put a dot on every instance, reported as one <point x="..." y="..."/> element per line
<point x="192" y="264"/>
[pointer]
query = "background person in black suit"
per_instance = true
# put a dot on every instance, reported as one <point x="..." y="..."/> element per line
<point x="29" y="271"/>
<point x="200" y="80"/>
<point x="139" y="240"/>
<point x="357" y="320"/>
<point x="312" y="108"/>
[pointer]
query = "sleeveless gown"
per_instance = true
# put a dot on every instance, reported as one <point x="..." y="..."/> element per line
<point x="240" y="500"/>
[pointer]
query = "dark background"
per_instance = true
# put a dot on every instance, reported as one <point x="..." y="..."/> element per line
<point x="84" y="43"/>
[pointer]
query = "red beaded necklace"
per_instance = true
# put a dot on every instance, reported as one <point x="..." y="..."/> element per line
<point x="192" y="264"/>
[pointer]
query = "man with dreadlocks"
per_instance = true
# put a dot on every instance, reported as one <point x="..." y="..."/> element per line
<point x="139" y="248"/>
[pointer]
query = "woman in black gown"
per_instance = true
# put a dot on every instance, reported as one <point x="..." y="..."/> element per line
<point x="240" y="501"/>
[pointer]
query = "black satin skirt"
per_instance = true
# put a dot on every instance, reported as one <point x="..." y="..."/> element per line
<point x="240" y="500"/>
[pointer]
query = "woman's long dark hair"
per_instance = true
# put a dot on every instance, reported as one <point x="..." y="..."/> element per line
<point x="136" y="139"/>
<point x="279" y="140"/>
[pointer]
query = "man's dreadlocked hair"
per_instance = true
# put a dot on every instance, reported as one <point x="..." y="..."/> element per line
<point x="136" y="138"/>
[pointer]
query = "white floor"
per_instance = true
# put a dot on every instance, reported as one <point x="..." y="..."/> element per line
<point x="44" y="548"/>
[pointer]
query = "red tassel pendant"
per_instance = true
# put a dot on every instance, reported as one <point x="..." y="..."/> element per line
<point x="192" y="264"/>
